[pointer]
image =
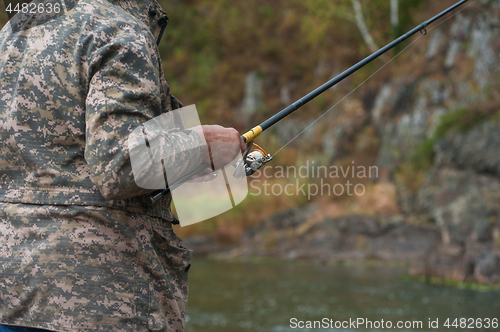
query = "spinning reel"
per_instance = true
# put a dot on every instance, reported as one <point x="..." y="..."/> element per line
<point x="255" y="159"/>
<point x="252" y="160"/>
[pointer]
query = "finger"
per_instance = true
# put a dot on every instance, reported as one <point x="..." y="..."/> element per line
<point x="243" y="146"/>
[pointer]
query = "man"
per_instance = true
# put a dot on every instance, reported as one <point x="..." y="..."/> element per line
<point x="81" y="246"/>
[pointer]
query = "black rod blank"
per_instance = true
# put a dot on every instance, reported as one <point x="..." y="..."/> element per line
<point x="310" y="96"/>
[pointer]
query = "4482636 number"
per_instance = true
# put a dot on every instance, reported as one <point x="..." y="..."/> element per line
<point x="472" y="323"/>
<point x="33" y="8"/>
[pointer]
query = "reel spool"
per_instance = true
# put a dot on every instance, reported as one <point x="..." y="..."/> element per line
<point x="253" y="160"/>
<point x="256" y="159"/>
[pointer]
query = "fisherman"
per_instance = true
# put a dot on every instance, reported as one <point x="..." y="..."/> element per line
<point x="82" y="248"/>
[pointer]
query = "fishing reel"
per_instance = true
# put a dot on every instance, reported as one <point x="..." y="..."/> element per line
<point x="252" y="160"/>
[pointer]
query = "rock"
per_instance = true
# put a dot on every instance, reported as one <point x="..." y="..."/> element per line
<point x="447" y="261"/>
<point x="289" y="218"/>
<point x="460" y="193"/>
<point x="358" y="225"/>
<point x="289" y="129"/>
<point x="285" y="95"/>
<point x="348" y="124"/>
<point x="463" y="203"/>
<point x="487" y="270"/>
<point x="252" y="102"/>
<point x="401" y="138"/>
<point x="476" y="150"/>
<point x="458" y="32"/>
<point x="332" y="143"/>
<point x="485" y="58"/>
<point x="434" y="44"/>
<point x="471" y="262"/>
<point x="202" y="245"/>
<point x="384" y="100"/>
<point x="405" y="242"/>
<point x="293" y="234"/>
<point x="321" y="67"/>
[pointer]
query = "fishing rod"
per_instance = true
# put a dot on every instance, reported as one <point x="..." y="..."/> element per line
<point x="254" y="159"/>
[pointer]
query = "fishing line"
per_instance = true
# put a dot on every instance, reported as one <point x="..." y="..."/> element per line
<point x="331" y="108"/>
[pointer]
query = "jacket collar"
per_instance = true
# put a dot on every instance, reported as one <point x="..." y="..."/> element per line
<point x="148" y="12"/>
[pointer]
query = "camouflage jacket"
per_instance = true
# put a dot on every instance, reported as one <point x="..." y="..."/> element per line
<point x="73" y="87"/>
<point x="81" y="247"/>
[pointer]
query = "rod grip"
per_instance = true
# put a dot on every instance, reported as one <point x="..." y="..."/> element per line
<point x="251" y="134"/>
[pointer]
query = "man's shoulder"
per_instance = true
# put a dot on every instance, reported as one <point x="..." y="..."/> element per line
<point x="108" y="11"/>
<point x="110" y="20"/>
<point x="98" y="22"/>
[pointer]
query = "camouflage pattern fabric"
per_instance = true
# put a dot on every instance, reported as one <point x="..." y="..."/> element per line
<point x="81" y="246"/>
<point x="82" y="268"/>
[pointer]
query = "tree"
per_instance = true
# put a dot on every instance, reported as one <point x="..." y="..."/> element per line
<point x="395" y="16"/>
<point x="360" y="22"/>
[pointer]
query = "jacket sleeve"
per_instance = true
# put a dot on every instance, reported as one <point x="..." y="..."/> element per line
<point x="125" y="91"/>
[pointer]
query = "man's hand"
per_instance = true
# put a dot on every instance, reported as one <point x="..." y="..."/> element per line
<point x="223" y="143"/>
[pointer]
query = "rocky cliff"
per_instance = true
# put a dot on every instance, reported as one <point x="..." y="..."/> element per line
<point x="442" y="151"/>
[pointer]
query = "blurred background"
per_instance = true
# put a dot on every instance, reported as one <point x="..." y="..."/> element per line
<point x="423" y="240"/>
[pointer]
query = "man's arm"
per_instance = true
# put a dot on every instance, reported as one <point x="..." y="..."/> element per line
<point x="124" y="93"/>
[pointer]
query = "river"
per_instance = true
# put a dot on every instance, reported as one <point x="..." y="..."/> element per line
<point x="267" y="297"/>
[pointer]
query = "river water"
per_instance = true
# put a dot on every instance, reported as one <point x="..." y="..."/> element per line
<point x="243" y="297"/>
